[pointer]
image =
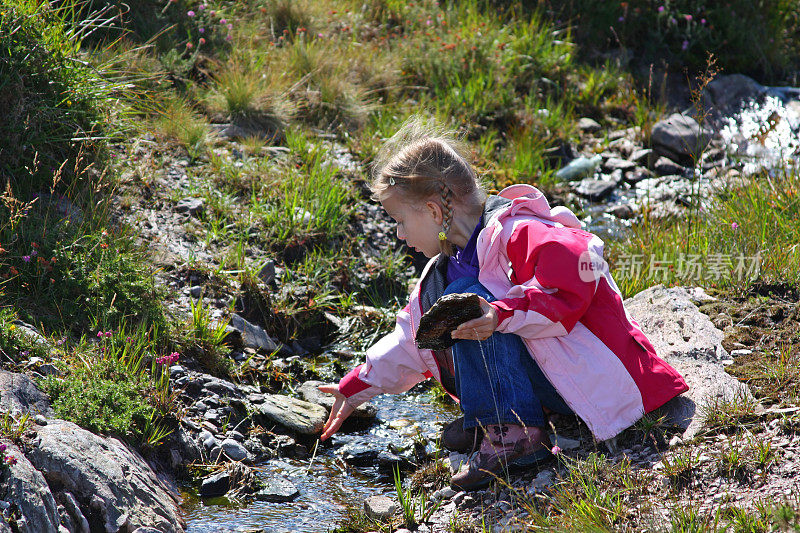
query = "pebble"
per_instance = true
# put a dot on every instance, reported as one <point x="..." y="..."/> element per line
<point x="588" y="125"/>
<point x="542" y="481"/>
<point x="444" y="494"/>
<point x="234" y="450"/>
<point x="40" y="420"/>
<point x="457" y="460"/>
<point x="564" y="443"/>
<point x="379" y="507"/>
<point x="467" y="502"/>
<point x="196" y="291"/>
<point x="674" y="441"/>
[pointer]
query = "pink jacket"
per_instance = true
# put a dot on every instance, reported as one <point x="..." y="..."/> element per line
<point x="555" y="291"/>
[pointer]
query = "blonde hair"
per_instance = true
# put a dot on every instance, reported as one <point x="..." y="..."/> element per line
<point x="422" y="161"/>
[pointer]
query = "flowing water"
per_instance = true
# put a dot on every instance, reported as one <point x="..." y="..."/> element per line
<point x="327" y="486"/>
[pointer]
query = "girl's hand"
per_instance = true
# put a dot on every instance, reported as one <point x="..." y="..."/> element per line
<point x="479" y="328"/>
<point x="339" y="412"/>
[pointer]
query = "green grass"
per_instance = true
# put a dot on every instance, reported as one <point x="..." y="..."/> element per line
<point x="749" y="232"/>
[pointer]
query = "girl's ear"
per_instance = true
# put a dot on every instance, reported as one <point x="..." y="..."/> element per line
<point x="436" y="212"/>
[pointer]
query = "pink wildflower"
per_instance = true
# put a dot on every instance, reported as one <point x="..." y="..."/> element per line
<point x="202" y="41"/>
<point x="734" y="226"/>
<point x="3" y="448"/>
<point x="190" y="13"/>
<point x="555" y="450"/>
<point x="688" y="17"/>
<point x="223" y="21"/>
<point x="660" y="9"/>
<point x="189" y="45"/>
<point x="26" y="258"/>
<point x="202" y="30"/>
<point x="100" y="334"/>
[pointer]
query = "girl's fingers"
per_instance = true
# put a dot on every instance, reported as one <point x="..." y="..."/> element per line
<point x="339" y="413"/>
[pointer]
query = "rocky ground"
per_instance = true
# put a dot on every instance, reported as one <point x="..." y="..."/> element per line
<point x="67" y="479"/>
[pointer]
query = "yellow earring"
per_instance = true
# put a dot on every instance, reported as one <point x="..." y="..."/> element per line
<point x="442" y="236"/>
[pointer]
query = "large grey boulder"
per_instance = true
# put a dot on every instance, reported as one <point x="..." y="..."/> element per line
<point x="311" y="393"/>
<point x="728" y="94"/>
<point x="298" y="415"/>
<point x="681" y="135"/>
<point x="112" y="483"/>
<point x="19" y="395"/>
<point x="686" y="339"/>
<point x="26" y="487"/>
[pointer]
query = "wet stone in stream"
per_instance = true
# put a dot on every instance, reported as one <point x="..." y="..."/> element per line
<point x="277" y="489"/>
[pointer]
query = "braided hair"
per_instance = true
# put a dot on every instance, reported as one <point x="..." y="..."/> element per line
<point x="424" y="162"/>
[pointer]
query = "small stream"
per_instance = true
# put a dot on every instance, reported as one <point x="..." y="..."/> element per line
<point x="761" y="136"/>
<point x="327" y="486"/>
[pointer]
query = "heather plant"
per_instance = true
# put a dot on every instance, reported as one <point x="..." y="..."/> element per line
<point x="106" y="383"/>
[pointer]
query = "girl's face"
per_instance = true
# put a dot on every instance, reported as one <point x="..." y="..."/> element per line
<point x="419" y="227"/>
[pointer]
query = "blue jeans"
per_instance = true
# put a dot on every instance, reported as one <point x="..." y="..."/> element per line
<point x="497" y="380"/>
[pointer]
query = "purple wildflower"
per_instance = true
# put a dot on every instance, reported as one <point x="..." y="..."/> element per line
<point x="3" y="448"/>
<point x="202" y="30"/>
<point x="223" y="21"/>
<point x="685" y="45"/>
<point x="660" y="9"/>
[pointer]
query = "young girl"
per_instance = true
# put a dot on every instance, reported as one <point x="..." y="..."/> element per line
<point x="554" y="335"/>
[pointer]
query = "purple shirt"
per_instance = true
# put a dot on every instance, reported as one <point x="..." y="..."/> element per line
<point x="465" y="262"/>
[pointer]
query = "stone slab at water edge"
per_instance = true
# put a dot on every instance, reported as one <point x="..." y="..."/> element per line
<point x="298" y="415"/>
<point x="686" y="339"/>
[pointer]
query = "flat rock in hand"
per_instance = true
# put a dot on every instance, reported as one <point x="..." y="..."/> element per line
<point x="443" y="317"/>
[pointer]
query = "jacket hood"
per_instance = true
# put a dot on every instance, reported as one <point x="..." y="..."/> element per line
<point x="528" y="198"/>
